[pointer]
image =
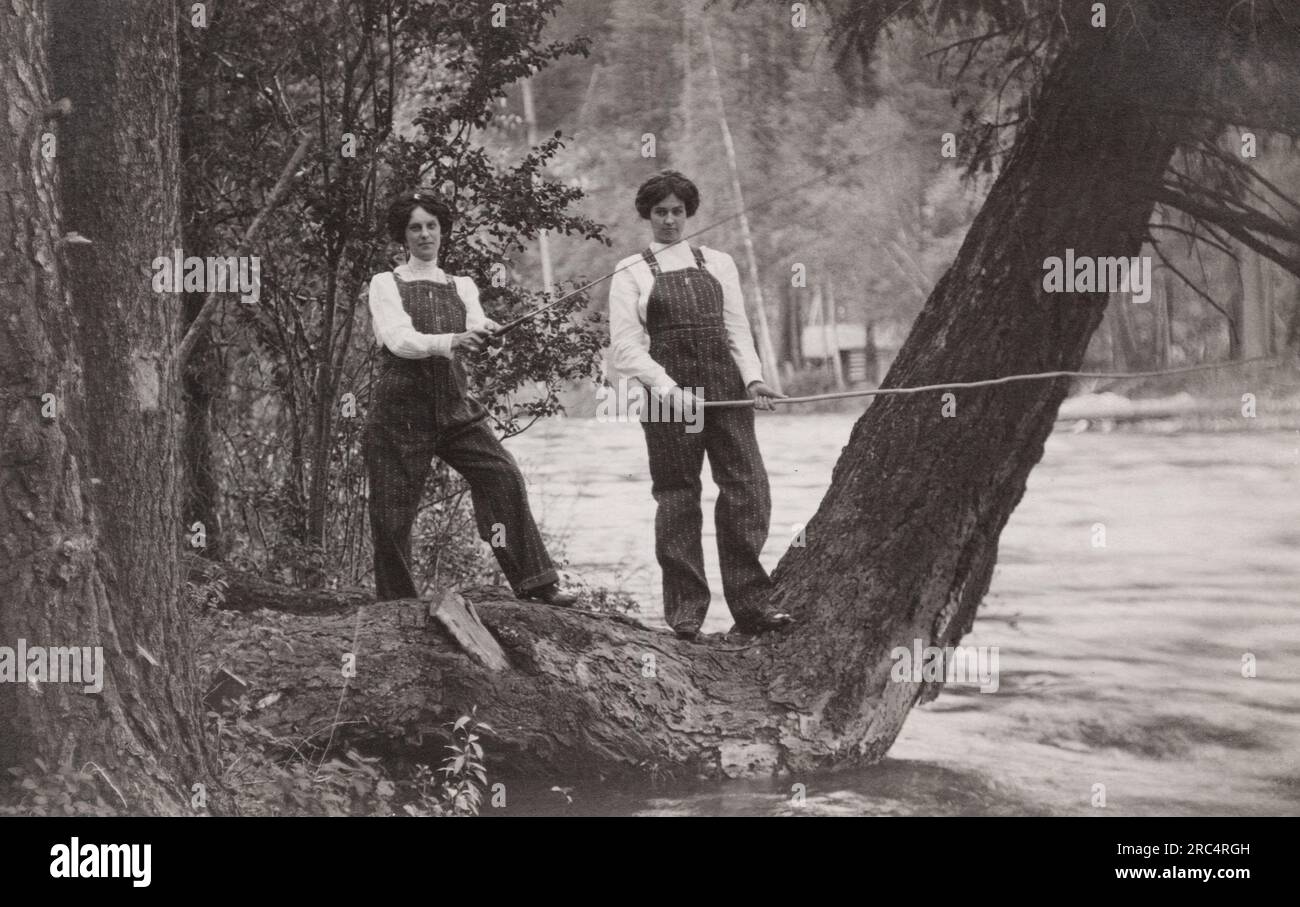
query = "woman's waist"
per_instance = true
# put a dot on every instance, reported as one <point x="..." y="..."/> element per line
<point x="389" y="360"/>
<point x="679" y="331"/>
<point x="437" y="325"/>
<point x="432" y="370"/>
<point x="399" y="381"/>
<point x="698" y="365"/>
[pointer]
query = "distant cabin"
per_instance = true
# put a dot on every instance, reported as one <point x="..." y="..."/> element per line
<point x="865" y="351"/>
<point x="850" y="343"/>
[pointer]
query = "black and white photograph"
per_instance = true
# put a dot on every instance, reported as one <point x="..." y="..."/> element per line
<point x="658" y="408"/>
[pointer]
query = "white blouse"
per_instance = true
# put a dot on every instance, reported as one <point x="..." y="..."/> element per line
<point x="629" y="293"/>
<point x="392" y="324"/>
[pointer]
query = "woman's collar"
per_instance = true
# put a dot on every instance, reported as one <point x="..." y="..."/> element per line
<point x="415" y="267"/>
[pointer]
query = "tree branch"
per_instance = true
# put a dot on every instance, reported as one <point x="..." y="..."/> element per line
<point x="200" y="323"/>
<point x="1238" y="224"/>
<point x="1232" y="324"/>
<point x="1233" y="161"/>
<point x="1194" y="238"/>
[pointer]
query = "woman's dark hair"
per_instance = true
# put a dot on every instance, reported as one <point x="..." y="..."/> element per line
<point x="663" y="184"/>
<point x="399" y="213"/>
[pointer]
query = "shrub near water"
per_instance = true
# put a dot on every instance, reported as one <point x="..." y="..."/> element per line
<point x="272" y="775"/>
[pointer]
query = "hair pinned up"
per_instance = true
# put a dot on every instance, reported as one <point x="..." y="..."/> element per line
<point x="399" y="213"/>
<point x="663" y="184"/>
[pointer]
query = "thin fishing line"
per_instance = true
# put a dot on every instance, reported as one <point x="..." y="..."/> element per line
<point x="989" y="382"/>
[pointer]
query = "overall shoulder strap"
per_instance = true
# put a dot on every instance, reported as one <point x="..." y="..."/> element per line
<point x="651" y="261"/>
<point x="453" y="282"/>
<point x="699" y="258"/>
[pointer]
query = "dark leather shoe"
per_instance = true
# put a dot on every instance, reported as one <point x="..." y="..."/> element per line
<point x="551" y="595"/>
<point x="764" y="623"/>
<point x="687" y="633"/>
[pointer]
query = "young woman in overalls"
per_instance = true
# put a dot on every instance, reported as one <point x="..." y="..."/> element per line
<point x="677" y="323"/>
<point x="425" y="320"/>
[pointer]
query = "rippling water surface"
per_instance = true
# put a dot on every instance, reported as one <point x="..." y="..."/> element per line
<point x="1120" y="665"/>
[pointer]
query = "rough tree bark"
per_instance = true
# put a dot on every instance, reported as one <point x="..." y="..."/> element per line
<point x="203" y="381"/>
<point x="89" y="526"/>
<point x="904" y="544"/>
<point x="205" y="374"/>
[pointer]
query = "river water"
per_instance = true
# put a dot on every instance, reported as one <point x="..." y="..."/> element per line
<point x="1121" y="666"/>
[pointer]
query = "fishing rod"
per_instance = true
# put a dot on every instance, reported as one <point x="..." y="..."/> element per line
<point x="989" y="382"/>
<point x="828" y="172"/>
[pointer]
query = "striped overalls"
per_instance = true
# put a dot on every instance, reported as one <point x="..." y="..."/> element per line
<point x="421" y="408"/>
<point x="688" y="337"/>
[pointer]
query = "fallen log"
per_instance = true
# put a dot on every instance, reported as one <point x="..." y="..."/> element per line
<point x="584" y="693"/>
<point x="249" y="592"/>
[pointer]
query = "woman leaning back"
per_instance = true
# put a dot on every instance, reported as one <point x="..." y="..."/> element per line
<point x="425" y="321"/>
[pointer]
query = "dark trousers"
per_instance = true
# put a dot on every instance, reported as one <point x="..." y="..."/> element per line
<point x="398" y="463"/>
<point x="742" y="516"/>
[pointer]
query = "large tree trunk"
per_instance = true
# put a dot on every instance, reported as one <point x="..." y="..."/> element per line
<point x="204" y="376"/>
<point x="904" y="544"/>
<point x="90" y="525"/>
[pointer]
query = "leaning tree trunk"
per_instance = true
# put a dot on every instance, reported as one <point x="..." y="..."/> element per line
<point x="904" y="544"/>
<point x="90" y="524"/>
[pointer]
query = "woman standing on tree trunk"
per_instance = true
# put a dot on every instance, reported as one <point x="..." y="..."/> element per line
<point x="423" y="318"/>
<point x="677" y="323"/>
